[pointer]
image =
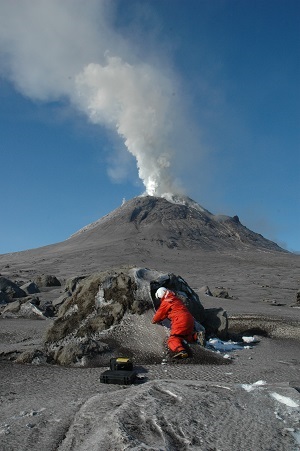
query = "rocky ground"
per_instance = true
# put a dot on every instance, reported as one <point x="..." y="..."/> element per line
<point x="184" y="406"/>
<point x="247" y="401"/>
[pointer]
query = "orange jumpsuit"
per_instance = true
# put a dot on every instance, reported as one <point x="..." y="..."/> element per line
<point x="182" y="321"/>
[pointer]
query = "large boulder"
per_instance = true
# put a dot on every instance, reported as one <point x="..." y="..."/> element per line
<point x="99" y="302"/>
<point x="10" y="290"/>
<point x="108" y="311"/>
<point x="24" y="308"/>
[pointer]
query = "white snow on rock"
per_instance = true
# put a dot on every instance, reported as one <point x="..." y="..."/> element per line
<point x="284" y="400"/>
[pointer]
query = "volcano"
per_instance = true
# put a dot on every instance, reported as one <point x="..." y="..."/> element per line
<point x="145" y="230"/>
<point x="175" y="222"/>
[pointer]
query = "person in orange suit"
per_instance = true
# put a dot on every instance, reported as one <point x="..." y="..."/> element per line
<point x="182" y="321"/>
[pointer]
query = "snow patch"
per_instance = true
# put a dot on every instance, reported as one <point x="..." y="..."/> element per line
<point x="223" y="346"/>
<point x="250" y="387"/>
<point x="250" y="339"/>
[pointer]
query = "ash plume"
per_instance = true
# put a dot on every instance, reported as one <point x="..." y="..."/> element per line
<point x="53" y="50"/>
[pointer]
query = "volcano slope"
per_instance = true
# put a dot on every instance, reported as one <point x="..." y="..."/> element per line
<point x="52" y="407"/>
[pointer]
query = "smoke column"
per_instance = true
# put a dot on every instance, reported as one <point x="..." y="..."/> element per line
<point x="54" y="49"/>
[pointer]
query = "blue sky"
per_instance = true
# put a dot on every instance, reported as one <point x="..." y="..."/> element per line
<point x="202" y="95"/>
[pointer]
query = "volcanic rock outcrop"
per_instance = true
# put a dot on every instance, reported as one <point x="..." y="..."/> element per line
<point x="110" y="312"/>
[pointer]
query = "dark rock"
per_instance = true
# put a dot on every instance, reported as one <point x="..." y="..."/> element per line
<point x="47" y="281"/>
<point x="216" y="323"/>
<point x="4" y="299"/>
<point x="49" y="311"/>
<point x="34" y="300"/>
<point x="30" y="288"/>
<point x="183" y="291"/>
<point x="11" y="289"/>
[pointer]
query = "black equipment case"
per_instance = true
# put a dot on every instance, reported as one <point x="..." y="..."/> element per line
<point x="121" y="377"/>
<point x="121" y="363"/>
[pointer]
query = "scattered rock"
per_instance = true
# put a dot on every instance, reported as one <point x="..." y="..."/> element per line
<point x="206" y="290"/>
<point x="35" y="356"/>
<point x="10" y="290"/>
<point x="12" y="307"/>
<point x="221" y="293"/>
<point x="29" y="310"/>
<point x="47" y="281"/>
<point x="24" y="308"/>
<point x="30" y="288"/>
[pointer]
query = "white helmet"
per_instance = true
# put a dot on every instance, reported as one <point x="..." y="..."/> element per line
<point x="160" y="292"/>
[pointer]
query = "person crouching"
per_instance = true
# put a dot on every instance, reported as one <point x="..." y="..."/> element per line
<point x="182" y="321"/>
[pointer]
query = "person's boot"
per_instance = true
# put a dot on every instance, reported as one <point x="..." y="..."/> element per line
<point x="181" y="355"/>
